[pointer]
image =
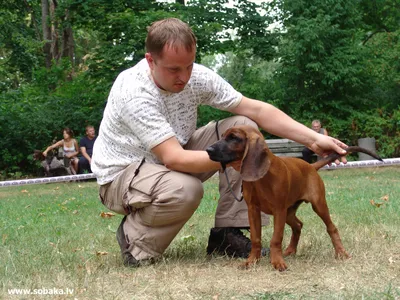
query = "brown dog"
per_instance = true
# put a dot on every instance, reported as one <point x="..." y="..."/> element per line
<point x="277" y="186"/>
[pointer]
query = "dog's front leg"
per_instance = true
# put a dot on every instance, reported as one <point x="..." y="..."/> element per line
<point x="255" y="234"/>
<point x="276" y="242"/>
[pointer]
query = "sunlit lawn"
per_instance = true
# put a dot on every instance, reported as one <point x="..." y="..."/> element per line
<point x="53" y="236"/>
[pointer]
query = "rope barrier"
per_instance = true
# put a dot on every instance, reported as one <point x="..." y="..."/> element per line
<point x="350" y="164"/>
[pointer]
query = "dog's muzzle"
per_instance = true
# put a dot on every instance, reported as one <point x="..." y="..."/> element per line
<point x="216" y="154"/>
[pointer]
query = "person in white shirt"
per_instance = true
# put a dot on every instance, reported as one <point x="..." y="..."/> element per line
<point x="150" y="160"/>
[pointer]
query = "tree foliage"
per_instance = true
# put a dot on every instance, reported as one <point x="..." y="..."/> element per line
<point x="320" y="58"/>
<point x="333" y="60"/>
<point x="329" y="71"/>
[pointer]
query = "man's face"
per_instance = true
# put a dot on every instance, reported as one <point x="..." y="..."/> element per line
<point x="90" y="132"/>
<point x="171" y="72"/>
<point x="316" y="127"/>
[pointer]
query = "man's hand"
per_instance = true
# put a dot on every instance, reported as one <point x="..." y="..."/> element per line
<point x="325" y="145"/>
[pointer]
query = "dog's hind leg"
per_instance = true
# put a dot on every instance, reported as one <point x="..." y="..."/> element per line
<point x="321" y="209"/>
<point x="296" y="226"/>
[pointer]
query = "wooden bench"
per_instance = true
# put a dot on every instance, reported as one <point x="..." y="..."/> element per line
<point x="285" y="147"/>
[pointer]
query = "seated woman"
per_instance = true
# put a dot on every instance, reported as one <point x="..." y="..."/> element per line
<point x="70" y="148"/>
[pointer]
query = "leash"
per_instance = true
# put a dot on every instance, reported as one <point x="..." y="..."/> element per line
<point x="224" y="169"/>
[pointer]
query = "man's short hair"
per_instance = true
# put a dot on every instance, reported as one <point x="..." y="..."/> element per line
<point x="172" y="32"/>
<point x="316" y="122"/>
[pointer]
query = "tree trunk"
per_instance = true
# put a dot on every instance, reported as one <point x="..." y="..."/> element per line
<point x="68" y="46"/>
<point x="55" y="53"/>
<point x="46" y="33"/>
<point x="56" y="46"/>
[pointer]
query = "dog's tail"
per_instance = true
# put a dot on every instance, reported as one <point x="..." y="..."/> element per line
<point x="334" y="156"/>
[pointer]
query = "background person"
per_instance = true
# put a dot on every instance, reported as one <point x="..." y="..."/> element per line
<point x="150" y="161"/>
<point x="307" y="152"/>
<point x="70" y="148"/>
<point x="86" y="146"/>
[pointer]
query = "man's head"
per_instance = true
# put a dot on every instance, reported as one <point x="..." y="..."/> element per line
<point x="90" y="132"/>
<point x="170" y="53"/>
<point x="316" y="125"/>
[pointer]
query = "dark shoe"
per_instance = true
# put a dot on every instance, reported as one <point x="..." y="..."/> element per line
<point x="129" y="260"/>
<point x="230" y="241"/>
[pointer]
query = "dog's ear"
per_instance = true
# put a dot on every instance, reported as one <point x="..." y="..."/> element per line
<point x="38" y="155"/>
<point x="255" y="162"/>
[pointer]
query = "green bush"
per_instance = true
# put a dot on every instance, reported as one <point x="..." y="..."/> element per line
<point x="33" y="116"/>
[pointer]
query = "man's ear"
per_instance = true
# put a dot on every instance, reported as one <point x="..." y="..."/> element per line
<point x="255" y="162"/>
<point x="150" y="60"/>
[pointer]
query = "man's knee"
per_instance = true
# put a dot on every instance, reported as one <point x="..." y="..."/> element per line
<point x="83" y="164"/>
<point x="248" y="121"/>
<point x="190" y="192"/>
<point x="175" y="200"/>
<point x="241" y="120"/>
<point x="83" y="160"/>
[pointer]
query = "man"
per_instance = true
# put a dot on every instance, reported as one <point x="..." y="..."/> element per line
<point x="307" y="152"/>
<point x="86" y="145"/>
<point x="150" y="160"/>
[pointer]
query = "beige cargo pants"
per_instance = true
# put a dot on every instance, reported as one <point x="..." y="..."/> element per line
<point x="159" y="201"/>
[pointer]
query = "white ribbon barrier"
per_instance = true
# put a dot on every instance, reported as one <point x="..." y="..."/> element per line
<point x="364" y="164"/>
<point x="350" y="164"/>
<point x="46" y="180"/>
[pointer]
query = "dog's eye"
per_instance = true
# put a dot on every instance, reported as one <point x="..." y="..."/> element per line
<point x="234" y="138"/>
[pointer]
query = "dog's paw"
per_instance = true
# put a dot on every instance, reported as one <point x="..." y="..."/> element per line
<point x="249" y="263"/>
<point x="342" y="255"/>
<point x="289" y="251"/>
<point x="279" y="265"/>
<point x="243" y="266"/>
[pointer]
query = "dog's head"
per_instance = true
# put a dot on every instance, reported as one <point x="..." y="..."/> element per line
<point x="38" y="155"/>
<point x="244" y="149"/>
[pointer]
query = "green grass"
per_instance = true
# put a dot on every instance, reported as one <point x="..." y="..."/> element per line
<point x="52" y="236"/>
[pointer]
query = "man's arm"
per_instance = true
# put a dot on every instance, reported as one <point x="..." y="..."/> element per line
<point x="85" y="155"/>
<point x="174" y="157"/>
<point x="270" y="118"/>
<point x="278" y="123"/>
